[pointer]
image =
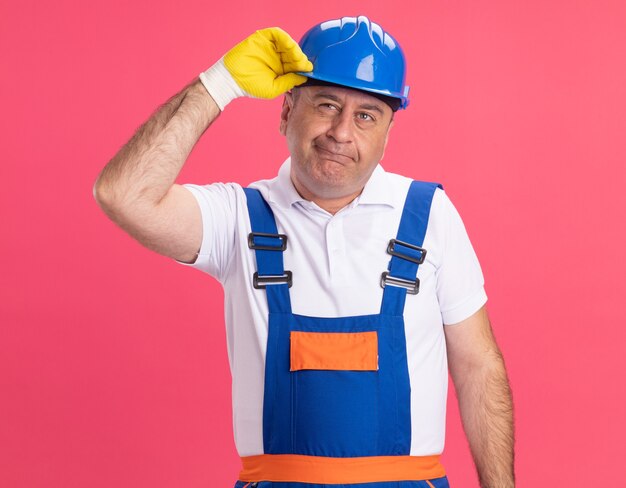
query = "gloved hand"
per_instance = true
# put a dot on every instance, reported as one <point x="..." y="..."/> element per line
<point x="261" y="66"/>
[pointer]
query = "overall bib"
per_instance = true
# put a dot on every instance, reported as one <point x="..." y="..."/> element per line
<point x="337" y="406"/>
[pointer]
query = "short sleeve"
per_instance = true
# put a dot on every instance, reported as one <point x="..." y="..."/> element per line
<point x="218" y="207"/>
<point x="460" y="282"/>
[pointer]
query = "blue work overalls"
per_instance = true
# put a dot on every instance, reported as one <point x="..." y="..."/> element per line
<point x="349" y="423"/>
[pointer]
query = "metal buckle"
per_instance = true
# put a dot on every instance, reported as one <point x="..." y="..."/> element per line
<point x="260" y="282"/>
<point x="391" y="249"/>
<point x="412" y="286"/>
<point x="266" y="247"/>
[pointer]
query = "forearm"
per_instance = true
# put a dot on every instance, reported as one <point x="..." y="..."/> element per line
<point x="144" y="169"/>
<point x="487" y="413"/>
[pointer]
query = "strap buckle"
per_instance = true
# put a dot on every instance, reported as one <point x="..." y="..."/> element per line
<point x="412" y="286"/>
<point x="267" y="246"/>
<point x="391" y="249"/>
<point x="260" y="282"/>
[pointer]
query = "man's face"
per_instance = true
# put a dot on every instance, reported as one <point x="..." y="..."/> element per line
<point x="336" y="137"/>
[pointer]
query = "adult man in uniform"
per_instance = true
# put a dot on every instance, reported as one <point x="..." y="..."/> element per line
<point x="348" y="289"/>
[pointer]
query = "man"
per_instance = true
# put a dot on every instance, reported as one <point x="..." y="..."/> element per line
<point x="338" y="276"/>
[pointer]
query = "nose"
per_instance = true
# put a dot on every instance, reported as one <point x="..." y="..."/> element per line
<point x="341" y="127"/>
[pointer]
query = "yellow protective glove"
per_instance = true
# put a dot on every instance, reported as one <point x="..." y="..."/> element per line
<point x="264" y="64"/>
<point x="261" y="66"/>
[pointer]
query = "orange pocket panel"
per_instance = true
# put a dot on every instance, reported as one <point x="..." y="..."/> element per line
<point x="351" y="351"/>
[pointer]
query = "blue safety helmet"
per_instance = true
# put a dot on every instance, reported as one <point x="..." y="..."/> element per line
<point x="357" y="53"/>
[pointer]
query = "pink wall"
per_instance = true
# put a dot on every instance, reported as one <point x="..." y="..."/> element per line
<point x="113" y="369"/>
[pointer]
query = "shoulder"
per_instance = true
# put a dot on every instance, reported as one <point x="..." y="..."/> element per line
<point x="402" y="183"/>
<point x="220" y="203"/>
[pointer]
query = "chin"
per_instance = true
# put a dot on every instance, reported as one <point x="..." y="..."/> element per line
<point x="331" y="173"/>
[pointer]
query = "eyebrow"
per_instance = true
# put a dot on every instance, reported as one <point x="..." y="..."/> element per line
<point x="364" y="106"/>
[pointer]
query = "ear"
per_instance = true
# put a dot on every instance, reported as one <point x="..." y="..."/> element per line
<point x="285" y="112"/>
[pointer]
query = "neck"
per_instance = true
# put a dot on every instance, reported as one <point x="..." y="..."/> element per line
<point x="331" y="205"/>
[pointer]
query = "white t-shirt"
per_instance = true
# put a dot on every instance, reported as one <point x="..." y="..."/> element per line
<point x="337" y="261"/>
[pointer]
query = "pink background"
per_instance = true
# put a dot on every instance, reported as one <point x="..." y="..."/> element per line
<point x="113" y="368"/>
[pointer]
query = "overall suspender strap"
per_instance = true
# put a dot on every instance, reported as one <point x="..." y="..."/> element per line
<point x="406" y="249"/>
<point x="268" y="247"/>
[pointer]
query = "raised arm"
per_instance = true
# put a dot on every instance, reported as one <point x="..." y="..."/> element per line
<point x="485" y="403"/>
<point x="137" y="189"/>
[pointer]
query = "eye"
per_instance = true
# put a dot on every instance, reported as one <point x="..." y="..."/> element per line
<point x="365" y="117"/>
<point x="328" y="106"/>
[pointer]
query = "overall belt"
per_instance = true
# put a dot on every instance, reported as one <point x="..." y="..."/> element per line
<point x="337" y="470"/>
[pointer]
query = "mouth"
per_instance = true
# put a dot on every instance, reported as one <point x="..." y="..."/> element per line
<point x="332" y="155"/>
